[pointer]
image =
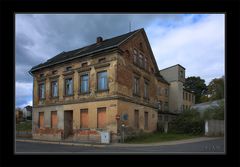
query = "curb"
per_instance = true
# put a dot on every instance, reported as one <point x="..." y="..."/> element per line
<point x="59" y="142"/>
<point x="194" y="140"/>
<point x="184" y="141"/>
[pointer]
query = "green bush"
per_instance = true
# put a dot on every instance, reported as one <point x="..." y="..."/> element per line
<point x="215" y="112"/>
<point x="188" y="122"/>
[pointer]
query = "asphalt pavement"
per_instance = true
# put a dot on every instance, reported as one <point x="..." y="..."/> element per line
<point x="197" y="146"/>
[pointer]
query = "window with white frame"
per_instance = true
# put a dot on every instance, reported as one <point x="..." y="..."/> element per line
<point x="84" y="83"/>
<point x="102" y="80"/>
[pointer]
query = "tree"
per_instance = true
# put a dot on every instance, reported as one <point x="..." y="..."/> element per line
<point x="197" y="85"/>
<point x="216" y="88"/>
<point x="188" y="122"/>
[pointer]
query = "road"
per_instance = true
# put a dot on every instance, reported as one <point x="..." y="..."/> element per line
<point x="211" y="146"/>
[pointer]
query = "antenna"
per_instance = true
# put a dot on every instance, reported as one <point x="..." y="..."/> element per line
<point x="129" y="26"/>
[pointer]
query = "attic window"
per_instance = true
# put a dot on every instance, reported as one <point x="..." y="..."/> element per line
<point x="68" y="68"/>
<point x="101" y="60"/>
<point x="54" y="71"/>
<point x="84" y="64"/>
<point x="141" y="46"/>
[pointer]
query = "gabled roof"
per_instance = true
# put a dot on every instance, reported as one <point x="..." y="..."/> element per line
<point x="85" y="51"/>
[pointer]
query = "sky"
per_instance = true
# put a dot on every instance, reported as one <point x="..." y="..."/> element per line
<point x="196" y="41"/>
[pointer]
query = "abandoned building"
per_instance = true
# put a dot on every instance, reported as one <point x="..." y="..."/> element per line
<point x="100" y="87"/>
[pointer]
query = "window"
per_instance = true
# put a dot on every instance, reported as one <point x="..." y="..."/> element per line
<point x="68" y="68"/>
<point x="101" y="117"/>
<point x="166" y="106"/>
<point x="145" y="120"/>
<point x="42" y="91"/>
<point x="84" y="64"/>
<point x="140" y="60"/>
<point x="54" y="119"/>
<point x="146" y="89"/>
<point x="102" y="60"/>
<point x="186" y="95"/>
<point x="160" y="105"/>
<point x="135" y="56"/>
<point x="136" y="119"/>
<point x="181" y="74"/>
<point x="136" y="90"/>
<point x="54" y="86"/>
<point x="41" y="120"/>
<point x="84" y="118"/>
<point x="68" y="86"/>
<point x="84" y="83"/>
<point x="166" y="92"/>
<point x="159" y="91"/>
<point x="141" y="46"/>
<point x="189" y="97"/>
<point x="102" y="80"/>
<point x="145" y="64"/>
<point x="41" y="75"/>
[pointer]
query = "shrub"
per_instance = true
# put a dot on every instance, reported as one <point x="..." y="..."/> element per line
<point x="215" y="112"/>
<point x="189" y="122"/>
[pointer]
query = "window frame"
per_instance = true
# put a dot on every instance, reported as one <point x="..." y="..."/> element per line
<point x="146" y="89"/>
<point x="136" y="86"/>
<point x="88" y="83"/>
<point x="65" y="86"/>
<point x="40" y="91"/>
<point x="52" y="93"/>
<point x="106" y="87"/>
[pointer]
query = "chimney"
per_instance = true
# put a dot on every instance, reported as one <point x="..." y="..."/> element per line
<point x="99" y="39"/>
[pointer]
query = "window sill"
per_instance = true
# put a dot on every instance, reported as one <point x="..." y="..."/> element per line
<point x="146" y="98"/>
<point x="83" y="93"/>
<point x="42" y="98"/>
<point x="100" y="91"/>
<point x="56" y="97"/>
<point x="68" y="95"/>
<point x="136" y="95"/>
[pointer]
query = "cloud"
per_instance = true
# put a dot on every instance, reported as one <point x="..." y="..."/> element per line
<point x="23" y="92"/>
<point x="195" y="41"/>
<point x="198" y="46"/>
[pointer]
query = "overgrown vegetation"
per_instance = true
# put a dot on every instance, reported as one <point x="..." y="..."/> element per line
<point x="158" y="137"/>
<point x="215" y="112"/>
<point x="188" y="122"/>
<point x="24" y="126"/>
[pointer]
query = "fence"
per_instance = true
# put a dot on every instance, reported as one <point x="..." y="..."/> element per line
<point x="214" y="127"/>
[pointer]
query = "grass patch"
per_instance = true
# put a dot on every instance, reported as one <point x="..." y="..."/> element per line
<point x="159" y="137"/>
<point x="24" y="126"/>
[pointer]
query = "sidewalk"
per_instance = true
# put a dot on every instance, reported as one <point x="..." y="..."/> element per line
<point x="119" y="144"/>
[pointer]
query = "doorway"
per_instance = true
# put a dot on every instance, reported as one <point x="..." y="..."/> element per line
<point x="68" y="123"/>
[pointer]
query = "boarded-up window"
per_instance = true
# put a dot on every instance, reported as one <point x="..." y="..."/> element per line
<point x="136" y="119"/>
<point x="101" y="117"/>
<point x="41" y="119"/>
<point x="54" y="120"/>
<point x="84" y="118"/>
<point x="145" y="120"/>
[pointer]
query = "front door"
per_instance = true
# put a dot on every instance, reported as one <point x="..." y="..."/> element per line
<point x="68" y="123"/>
